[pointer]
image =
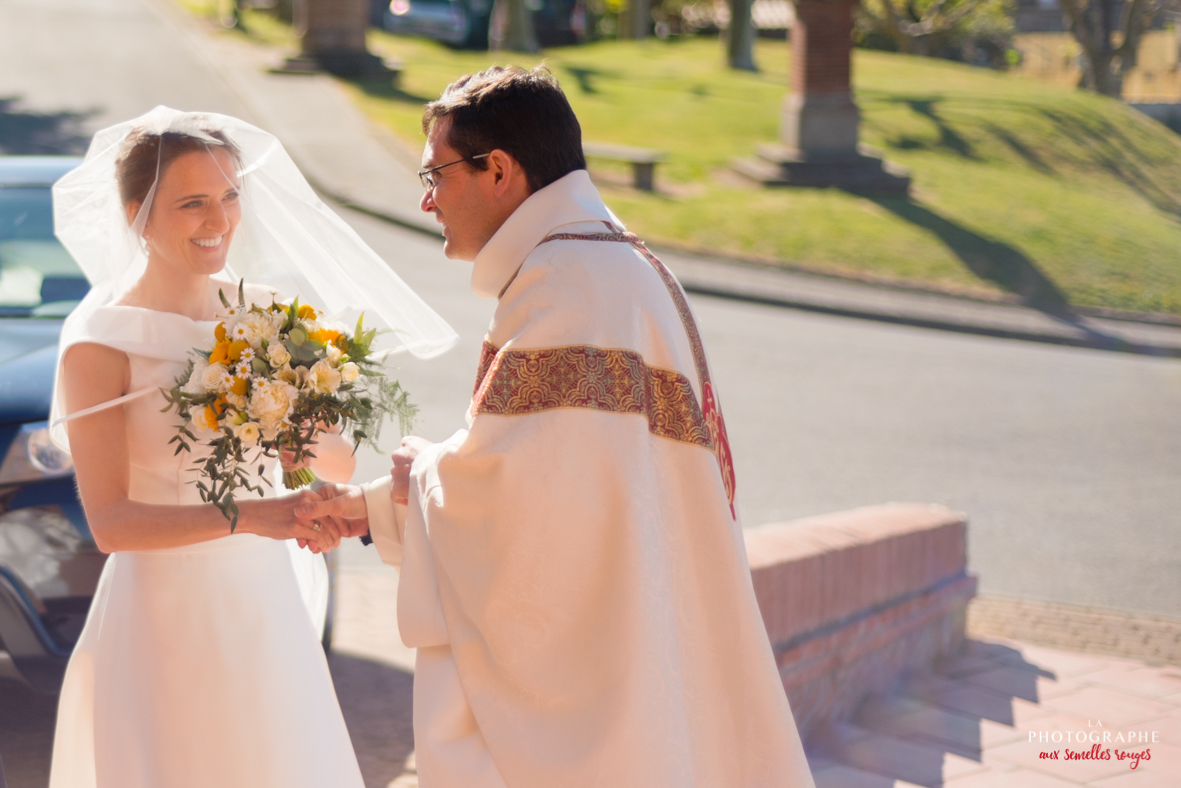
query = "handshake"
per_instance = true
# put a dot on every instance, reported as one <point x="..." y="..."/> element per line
<point x="338" y="511"/>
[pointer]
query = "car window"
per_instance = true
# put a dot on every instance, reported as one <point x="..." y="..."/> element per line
<point x="38" y="276"/>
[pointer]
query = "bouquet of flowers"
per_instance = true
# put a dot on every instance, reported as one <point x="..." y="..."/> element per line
<point x="275" y="377"/>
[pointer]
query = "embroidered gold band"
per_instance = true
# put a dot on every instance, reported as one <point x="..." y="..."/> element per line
<point x="709" y="403"/>
<point x="516" y="382"/>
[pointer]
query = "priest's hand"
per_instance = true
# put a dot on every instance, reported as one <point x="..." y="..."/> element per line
<point x="403" y="458"/>
<point x="341" y="505"/>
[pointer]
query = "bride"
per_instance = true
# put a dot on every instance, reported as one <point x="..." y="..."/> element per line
<point x="200" y="662"/>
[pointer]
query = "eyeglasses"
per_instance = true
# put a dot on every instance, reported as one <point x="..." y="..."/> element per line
<point x="428" y="176"/>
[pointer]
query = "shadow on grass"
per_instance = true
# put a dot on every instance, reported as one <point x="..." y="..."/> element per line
<point x="386" y="89"/>
<point x="1006" y="267"/>
<point x="586" y="76"/>
<point x="1106" y="144"/>
<point x="927" y="107"/>
<point x="1111" y="149"/>
<point x="26" y="132"/>
<point x="992" y="261"/>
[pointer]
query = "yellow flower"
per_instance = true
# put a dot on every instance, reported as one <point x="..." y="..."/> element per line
<point x="207" y="419"/>
<point x="220" y="353"/>
<point x="219" y="333"/>
<point x="325" y="335"/>
<point x="306" y="312"/>
<point x="234" y="352"/>
<point x="240" y="386"/>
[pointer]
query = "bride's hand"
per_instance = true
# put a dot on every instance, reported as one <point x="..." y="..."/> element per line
<point x="341" y="505"/>
<point x="275" y="518"/>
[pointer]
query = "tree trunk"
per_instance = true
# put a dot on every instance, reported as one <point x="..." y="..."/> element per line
<point x="1099" y="74"/>
<point x="284" y="10"/>
<point x="740" y="37"/>
<point x="635" y="19"/>
<point x="1094" y="24"/>
<point x="512" y="27"/>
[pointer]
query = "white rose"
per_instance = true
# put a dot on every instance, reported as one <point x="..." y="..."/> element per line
<point x="270" y="428"/>
<point x="293" y="376"/>
<point x="271" y="402"/>
<point x="349" y="372"/>
<point x="215" y="378"/>
<point x="239" y="401"/>
<point x="248" y="432"/>
<point x="256" y="326"/>
<point x="278" y="355"/>
<point x="193" y="385"/>
<point x="323" y="378"/>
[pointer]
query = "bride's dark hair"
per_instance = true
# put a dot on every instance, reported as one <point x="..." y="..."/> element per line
<point x="137" y="164"/>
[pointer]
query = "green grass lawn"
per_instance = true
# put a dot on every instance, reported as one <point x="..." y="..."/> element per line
<point x="1014" y="180"/>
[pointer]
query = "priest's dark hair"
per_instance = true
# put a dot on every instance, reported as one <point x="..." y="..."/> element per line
<point x="523" y="113"/>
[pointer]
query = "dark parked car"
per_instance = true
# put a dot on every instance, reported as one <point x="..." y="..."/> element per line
<point x="49" y="565"/>
<point x="465" y="23"/>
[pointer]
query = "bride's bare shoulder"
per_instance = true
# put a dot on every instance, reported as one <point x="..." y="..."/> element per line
<point x="94" y="372"/>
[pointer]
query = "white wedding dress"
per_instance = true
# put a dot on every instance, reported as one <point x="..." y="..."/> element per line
<point x="199" y="666"/>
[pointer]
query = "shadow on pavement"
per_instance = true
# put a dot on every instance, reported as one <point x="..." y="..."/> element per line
<point x="908" y="735"/>
<point x="374" y="698"/>
<point x="26" y="734"/>
<point x="376" y="702"/>
<point x="25" y="132"/>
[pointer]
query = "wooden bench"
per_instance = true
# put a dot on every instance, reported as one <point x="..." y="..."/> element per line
<point x="642" y="160"/>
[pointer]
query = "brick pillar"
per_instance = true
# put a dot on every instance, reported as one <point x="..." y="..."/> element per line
<point x="818" y="136"/>
<point x="332" y="38"/>
<point x="819" y="117"/>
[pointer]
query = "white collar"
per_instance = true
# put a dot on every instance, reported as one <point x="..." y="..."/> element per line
<point x="570" y="199"/>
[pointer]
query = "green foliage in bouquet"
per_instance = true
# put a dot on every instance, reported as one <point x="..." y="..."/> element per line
<point x="274" y="379"/>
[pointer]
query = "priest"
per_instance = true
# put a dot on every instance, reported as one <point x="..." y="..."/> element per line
<point x="572" y="566"/>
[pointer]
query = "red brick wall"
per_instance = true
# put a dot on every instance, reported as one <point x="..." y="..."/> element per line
<point x="821" y="43"/>
<point x="854" y="600"/>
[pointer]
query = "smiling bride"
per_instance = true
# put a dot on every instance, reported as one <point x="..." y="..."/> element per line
<point x="200" y="663"/>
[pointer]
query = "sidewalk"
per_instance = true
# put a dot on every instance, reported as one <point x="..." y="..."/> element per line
<point x="966" y="724"/>
<point x="984" y="718"/>
<point x="360" y="165"/>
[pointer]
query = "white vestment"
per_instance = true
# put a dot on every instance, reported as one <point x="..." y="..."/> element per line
<point x="572" y="571"/>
